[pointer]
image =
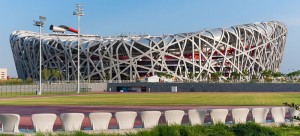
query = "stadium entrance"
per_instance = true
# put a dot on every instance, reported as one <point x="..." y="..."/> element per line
<point x="131" y="89"/>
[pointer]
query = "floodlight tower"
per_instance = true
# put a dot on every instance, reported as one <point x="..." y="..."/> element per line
<point x="78" y="12"/>
<point x="40" y="24"/>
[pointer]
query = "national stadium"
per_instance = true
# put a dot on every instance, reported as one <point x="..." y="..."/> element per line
<point x="250" y="47"/>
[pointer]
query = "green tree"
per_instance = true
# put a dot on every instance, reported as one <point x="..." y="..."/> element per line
<point x="204" y="75"/>
<point x="190" y="75"/>
<point x="62" y="76"/>
<point x="106" y="76"/>
<point x="235" y="76"/>
<point x="29" y="80"/>
<point x="293" y="74"/>
<point x="245" y="75"/>
<point x="55" y="73"/>
<point x="216" y="76"/>
<point x="166" y="75"/>
<point x="277" y="74"/>
<point x="254" y="78"/>
<point x="46" y="73"/>
<point x="267" y="75"/>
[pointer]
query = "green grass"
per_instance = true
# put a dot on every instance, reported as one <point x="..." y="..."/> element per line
<point x="159" y="99"/>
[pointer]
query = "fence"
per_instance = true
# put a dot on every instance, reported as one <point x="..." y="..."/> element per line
<point x="14" y="90"/>
<point x="204" y="87"/>
<point x="195" y="81"/>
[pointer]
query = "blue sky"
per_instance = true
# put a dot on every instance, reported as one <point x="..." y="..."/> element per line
<point x="155" y="17"/>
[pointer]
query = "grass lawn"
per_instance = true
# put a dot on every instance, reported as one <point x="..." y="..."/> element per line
<point x="195" y="98"/>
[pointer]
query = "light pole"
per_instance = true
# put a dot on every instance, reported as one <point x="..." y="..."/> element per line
<point x="78" y="12"/>
<point x="40" y="24"/>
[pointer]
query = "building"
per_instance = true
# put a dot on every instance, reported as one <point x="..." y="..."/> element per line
<point x="249" y="48"/>
<point x="3" y="74"/>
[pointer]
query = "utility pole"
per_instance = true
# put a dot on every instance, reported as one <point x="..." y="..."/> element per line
<point x="78" y="12"/>
<point x="40" y="24"/>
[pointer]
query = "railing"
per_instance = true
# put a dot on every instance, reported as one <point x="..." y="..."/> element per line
<point x="64" y="87"/>
<point x="178" y="81"/>
<point x="196" y="81"/>
<point x="54" y="88"/>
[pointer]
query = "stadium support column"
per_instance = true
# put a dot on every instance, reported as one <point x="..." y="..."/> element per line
<point x="88" y="65"/>
<point x="193" y="60"/>
<point x="131" y="64"/>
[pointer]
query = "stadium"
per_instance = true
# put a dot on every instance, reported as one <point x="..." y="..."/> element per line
<point x="250" y="47"/>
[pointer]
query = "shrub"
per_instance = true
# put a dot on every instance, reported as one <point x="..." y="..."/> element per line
<point x="248" y="129"/>
<point x="187" y="130"/>
<point x="252" y="129"/>
<point x="15" y="81"/>
<point x="268" y="79"/>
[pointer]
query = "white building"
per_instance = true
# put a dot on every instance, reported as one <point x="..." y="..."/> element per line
<point x="3" y="74"/>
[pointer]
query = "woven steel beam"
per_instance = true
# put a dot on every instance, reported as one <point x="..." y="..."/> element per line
<point x="250" y="47"/>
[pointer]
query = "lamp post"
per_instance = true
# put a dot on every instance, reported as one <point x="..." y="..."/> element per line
<point x="78" y="12"/>
<point x="40" y="24"/>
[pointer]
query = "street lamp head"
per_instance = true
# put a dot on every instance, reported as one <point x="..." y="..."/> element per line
<point x="78" y="10"/>
<point x="40" y="22"/>
<point x="42" y="18"/>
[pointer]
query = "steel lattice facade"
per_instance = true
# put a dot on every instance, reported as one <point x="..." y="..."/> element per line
<point x="250" y="47"/>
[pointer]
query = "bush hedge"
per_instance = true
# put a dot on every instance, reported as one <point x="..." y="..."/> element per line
<point x="248" y="129"/>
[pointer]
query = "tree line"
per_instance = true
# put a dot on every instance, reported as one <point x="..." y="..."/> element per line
<point x="53" y="74"/>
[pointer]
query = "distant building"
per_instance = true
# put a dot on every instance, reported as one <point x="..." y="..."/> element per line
<point x="3" y="74"/>
<point x="250" y="48"/>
